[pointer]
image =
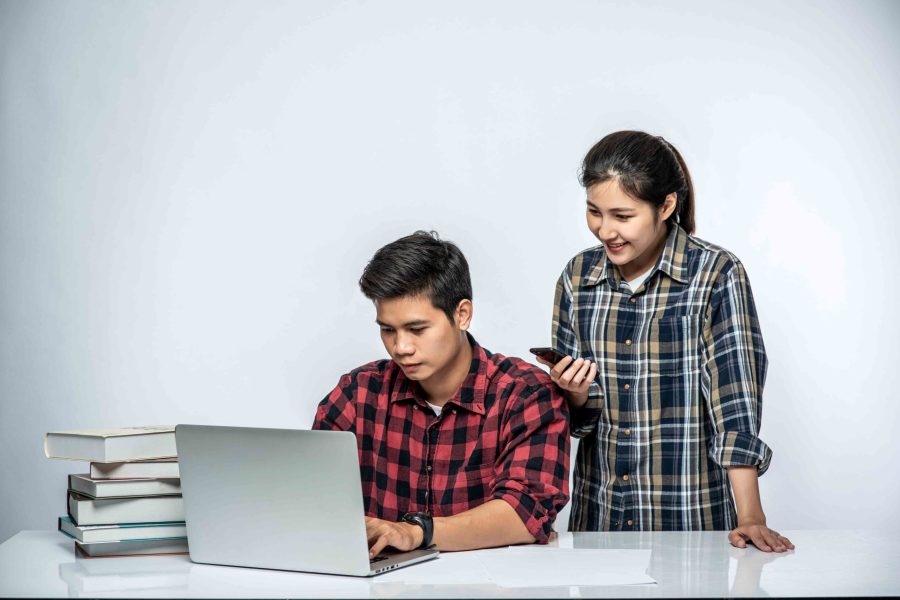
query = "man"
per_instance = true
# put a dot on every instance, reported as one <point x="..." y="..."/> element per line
<point x="458" y="447"/>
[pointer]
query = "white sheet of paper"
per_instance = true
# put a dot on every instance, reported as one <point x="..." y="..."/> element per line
<point x="527" y="566"/>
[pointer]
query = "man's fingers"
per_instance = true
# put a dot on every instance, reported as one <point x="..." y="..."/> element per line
<point x="378" y="546"/>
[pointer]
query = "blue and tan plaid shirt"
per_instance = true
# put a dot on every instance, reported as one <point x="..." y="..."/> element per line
<point x="678" y="393"/>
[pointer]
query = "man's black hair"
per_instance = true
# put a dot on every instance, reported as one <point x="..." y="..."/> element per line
<point x="421" y="263"/>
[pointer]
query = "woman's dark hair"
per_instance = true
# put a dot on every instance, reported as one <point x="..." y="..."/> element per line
<point x="646" y="167"/>
<point x="421" y="263"/>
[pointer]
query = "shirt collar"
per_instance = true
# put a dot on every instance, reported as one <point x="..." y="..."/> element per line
<point x="672" y="262"/>
<point x="470" y="395"/>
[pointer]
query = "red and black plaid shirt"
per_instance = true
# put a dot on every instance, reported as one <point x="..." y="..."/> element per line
<point x="504" y="434"/>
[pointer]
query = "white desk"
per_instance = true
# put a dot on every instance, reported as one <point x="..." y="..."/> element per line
<point x="826" y="563"/>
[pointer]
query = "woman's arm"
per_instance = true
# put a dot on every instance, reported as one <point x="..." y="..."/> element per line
<point x="751" y="519"/>
<point x="575" y="377"/>
<point x="736" y="367"/>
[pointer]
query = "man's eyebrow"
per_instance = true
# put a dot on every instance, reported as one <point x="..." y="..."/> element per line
<point x="415" y="323"/>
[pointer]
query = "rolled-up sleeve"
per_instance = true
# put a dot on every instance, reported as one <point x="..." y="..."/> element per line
<point x="735" y="373"/>
<point x="533" y="470"/>
<point x="584" y="419"/>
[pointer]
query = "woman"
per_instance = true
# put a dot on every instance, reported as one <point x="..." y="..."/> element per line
<point x="665" y="362"/>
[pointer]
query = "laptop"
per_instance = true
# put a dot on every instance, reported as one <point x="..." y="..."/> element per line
<point x="278" y="499"/>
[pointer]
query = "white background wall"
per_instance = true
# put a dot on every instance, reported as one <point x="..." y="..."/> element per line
<point x="190" y="190"/>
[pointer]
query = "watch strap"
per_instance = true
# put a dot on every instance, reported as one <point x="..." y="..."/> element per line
<point x="424" y="521"/>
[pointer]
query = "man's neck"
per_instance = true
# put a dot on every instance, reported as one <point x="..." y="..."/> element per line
<point x="441" y="386"/>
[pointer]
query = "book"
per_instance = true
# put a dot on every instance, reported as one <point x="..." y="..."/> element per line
<point x="118" y="511"/>
<point x="111" y="445"/>
<point x="88" y="534"/>
<point x="165" y="467"/>
<point x="133" y="547"/>
<point x="123" y="488"/>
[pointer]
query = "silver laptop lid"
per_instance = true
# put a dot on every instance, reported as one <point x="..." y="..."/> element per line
<point x="273" y="498"/>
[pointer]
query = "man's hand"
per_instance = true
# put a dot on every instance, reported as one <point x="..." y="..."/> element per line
<point x="759" y="535"/>
<point x="574" y="377"/>
<point x="402" y="536"/>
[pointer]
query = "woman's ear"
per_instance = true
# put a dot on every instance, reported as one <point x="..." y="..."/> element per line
<point x="668" y="207"/>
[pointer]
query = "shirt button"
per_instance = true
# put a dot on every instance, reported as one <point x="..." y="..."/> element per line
<point x="625" y="478"/>
<point x="626" y="431"/>
<point x="633" y="300"/>
<point x="415" y="407"/>
<point x="630" y="522"/>
<point x="627" y="342"/>
<point x="428" y="468"/>
<point x="627" y="386"/>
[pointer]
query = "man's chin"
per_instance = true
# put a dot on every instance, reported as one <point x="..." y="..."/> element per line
<point x="416" y="372"/>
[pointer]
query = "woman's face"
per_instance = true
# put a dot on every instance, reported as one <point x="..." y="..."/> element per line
<point x="632" y="231"/>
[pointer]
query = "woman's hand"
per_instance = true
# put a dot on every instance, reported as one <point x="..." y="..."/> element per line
<point x="574" y="377"/>
<point x="765" y="539"/>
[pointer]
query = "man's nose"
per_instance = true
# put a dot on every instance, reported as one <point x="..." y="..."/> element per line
<point x="403" y="344"/>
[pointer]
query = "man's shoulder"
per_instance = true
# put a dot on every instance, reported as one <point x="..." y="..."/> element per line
<point x="510" y="370"/>
<point x="375" y="370"/>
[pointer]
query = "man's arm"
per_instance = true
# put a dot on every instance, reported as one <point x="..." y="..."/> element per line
<point x="494" y="523"/>
<point x="529" y="489"/>
<point x="337" y="412"/>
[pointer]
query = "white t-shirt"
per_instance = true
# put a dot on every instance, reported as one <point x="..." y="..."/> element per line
<point x="437" y="409"/>
<point x="635" y="283"/>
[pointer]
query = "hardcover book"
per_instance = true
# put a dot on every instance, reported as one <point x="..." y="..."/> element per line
<point x="106" y="511"/>
<point x="111" y="445"/>
<point x="123" y="488"/>
<point x="133" y="547"/>
<point x="164" y="467"/>
<point x="88" y="534"/>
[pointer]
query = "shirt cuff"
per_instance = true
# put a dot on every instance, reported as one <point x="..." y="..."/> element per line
<point x="738" y="449"/>
<point x="537" y="519"/>
<point x="584" y="419"/>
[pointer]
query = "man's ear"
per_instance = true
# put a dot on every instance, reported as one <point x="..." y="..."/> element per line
<point x="463" y="314"/>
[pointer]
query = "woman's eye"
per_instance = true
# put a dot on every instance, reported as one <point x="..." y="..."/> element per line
<point x="624" y="217"/>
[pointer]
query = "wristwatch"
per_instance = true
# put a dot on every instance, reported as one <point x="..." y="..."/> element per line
<point x="424" y="521"/>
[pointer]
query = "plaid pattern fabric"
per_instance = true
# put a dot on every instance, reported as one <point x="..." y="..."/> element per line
<point x="678" y="393"/>
<point x="505" y="435"/>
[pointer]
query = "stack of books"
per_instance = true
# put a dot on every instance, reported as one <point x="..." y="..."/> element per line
<point x="130" y="500"/>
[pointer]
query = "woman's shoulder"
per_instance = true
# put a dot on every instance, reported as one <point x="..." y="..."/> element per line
<point x="585" y="261"/>
<point x="707" y="256"/>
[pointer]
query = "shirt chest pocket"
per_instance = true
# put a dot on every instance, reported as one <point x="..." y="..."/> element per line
<point x="673" y="345"/>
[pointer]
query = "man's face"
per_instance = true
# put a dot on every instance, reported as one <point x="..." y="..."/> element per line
<point x="419" y="337"/>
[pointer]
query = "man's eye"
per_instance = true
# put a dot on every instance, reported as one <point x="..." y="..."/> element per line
<point x="417" y="330"/>
<point x="386" y="330"/>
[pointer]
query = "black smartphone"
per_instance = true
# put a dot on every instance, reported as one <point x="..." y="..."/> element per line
<point x="551" y="355"/>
